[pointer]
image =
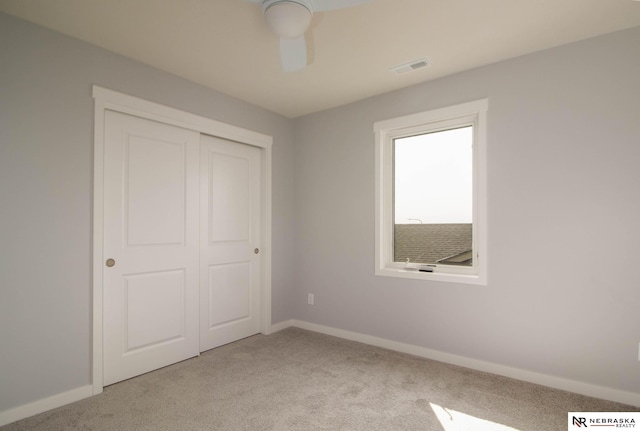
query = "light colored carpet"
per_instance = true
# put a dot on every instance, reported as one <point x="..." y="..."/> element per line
<point x="300" y="380"/>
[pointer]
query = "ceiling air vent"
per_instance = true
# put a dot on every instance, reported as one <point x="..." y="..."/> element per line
<point x="411" y="66"/>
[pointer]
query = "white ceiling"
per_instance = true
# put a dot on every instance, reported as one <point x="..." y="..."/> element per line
<point x="226" y="45"/>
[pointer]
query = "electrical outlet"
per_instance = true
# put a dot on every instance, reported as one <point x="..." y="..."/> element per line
<point x="310" y="299"/>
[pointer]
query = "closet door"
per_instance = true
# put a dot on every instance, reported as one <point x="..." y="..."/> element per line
<point x="230" y="219"/>
<point x="151" y="241"/>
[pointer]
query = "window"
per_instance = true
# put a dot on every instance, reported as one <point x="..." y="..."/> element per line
<point x="431" y="195"/>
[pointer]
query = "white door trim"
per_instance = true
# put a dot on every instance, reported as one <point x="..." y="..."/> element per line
<point x="106" y="99"/>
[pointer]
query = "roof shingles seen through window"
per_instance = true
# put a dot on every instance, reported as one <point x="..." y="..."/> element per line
<point x="429" y="243"/>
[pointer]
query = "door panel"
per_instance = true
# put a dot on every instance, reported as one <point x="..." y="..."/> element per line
<point x="153" y="308"/>
<point x="154" y="198"/>
<point x="229" y="293"/>
<point x="151" y="232"/>
<point x="230" y="202"/>
<point x="229" y="198"/>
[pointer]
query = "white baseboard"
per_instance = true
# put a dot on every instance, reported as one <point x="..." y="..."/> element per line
<point x="555" y="382"/>
<point x="40" y="406"/>
<point x="282" y="325"/>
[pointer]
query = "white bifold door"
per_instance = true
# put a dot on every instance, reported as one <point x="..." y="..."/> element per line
<point x="181" y="237"/>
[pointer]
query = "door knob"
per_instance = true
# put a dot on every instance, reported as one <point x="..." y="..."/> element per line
<point x="256" y="250"/>
<point x="110" y="263"/>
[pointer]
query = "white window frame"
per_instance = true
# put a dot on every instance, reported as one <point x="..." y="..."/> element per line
<point x="471" y="113"/>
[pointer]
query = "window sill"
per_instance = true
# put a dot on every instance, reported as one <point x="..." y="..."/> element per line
<point x="437" y="275"/>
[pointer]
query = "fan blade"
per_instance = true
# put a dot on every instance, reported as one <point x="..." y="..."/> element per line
<point x="325" y="5"/>
<point x="293" y="54"/>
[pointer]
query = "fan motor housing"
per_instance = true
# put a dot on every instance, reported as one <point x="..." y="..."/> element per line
<point x="288" y="19"/>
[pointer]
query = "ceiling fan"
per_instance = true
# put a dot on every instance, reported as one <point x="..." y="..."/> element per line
<point x="290" y="19"/>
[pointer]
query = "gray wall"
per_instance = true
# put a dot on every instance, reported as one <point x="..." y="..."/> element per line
<point x="46" y="165"/>
<point x="563" y="205"/>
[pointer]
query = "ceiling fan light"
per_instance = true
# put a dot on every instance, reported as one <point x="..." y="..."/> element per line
<point x="288" y="19"/>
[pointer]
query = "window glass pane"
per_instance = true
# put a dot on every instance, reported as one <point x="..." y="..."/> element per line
<point x="433" y="197"/>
